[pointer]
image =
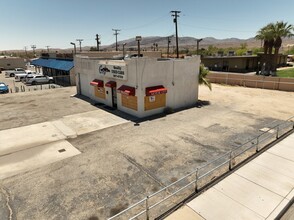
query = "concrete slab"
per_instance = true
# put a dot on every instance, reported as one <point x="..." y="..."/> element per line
<point x="278" y="209"/>
<point x="276" y="163"/>
<point x="91" y="121"/>
<point x="21" y="138"/>
<point x="249" y="194"/>
<point x="184" y="212"/>
<point x="33" y="158"/>
<point x="269" y="179"/>
<point x="67" y="131"/>
<point x="291" y="194"/>
<point x="283" y="149"/>
<point x="213" y="204"/>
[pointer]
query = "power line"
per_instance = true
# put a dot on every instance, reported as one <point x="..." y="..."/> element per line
<point x="175" y="15"/>
<point x="116" y="33"/>
<point x="216" y="29"/>
<point x="147" y="24"/>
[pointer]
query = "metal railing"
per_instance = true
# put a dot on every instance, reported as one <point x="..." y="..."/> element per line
<point x="203" y="175"/>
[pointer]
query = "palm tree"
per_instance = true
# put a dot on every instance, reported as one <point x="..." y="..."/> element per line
<point x="265" y="34"/>
<point x="272" y="35"/>
<point x="202" y="80"/>
<point x="280" y="30"/>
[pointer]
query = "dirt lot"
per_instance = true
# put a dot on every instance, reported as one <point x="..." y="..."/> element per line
<point x="121" y="165"/>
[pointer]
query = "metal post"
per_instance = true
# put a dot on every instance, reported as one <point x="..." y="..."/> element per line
<point x="257" y="143"/>
<point x="124" y="49"/>
<point x="230" y="163"/>
<point x="277" y="136"/>
<point x="196" y="181"/>
<point x="147" y="208"/>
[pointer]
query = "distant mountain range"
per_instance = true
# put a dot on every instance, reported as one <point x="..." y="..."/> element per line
<point x="184" y="42"/>
<point x="192" y="42"/>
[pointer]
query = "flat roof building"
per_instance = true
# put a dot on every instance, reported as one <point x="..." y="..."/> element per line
<point x="7" y="62"/>
<point x="139" y="86"/>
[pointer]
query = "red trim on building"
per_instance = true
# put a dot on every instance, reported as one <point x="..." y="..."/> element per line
<point x="97" y="82"/>
<point x="127" y="90"/>
<point x="155" y="90"/>
<point x="111" y="84"/>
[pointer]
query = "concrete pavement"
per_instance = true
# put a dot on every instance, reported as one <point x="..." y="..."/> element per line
<point x="258" y="190"/>
<point x="29" y="147"/>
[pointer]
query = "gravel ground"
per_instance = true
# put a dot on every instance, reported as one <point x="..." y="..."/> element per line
<point x="122" y="164"/>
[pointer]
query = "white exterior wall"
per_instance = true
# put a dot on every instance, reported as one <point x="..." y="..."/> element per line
<point x="179" y="76"/>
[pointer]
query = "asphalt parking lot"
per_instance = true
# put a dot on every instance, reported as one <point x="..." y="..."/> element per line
<point x="18" y="86"/>
<point x="122" y="164"/>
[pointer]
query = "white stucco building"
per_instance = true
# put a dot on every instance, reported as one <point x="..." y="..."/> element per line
<point x="139" y="86"/>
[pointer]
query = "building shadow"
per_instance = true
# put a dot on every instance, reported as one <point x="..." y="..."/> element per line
<point x="134" y="119"/>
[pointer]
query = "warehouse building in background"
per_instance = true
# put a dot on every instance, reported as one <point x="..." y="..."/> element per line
<point x="139" y="86"/>
<point x="7" y="62"/>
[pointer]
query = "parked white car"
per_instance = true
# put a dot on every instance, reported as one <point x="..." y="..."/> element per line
<point x="38" y="79"/>
<point x="11" y="73"/>
<point x="22" y="76"/>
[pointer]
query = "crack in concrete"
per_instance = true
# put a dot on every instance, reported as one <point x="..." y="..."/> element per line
<point x="143" y="169"/>
<point x="7" y="196"/>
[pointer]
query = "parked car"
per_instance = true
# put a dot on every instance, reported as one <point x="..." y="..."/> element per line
<point x="11" y="73"/>
<point x="22" y="76"/>
<point x="4" y="88"/>
<point x="38" y="79"/>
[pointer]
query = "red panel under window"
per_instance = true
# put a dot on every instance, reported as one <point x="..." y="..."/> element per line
<point x="155" y="90"/>
<point x="127" y="90"/>
<point x="97" y="82"/>
<point x="111" y="84"/>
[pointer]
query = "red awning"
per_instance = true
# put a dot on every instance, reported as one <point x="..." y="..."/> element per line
<point x="127" y="90"/>
<point x="155" y="90"/>
<point x="111" y="84"/>
<point x="97" y="82"/>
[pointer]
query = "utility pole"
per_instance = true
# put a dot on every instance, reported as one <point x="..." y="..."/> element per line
<point x="168" y="42"/>
<point x="48" y="48"/>
<point x="116" y="33"/>
<point x="25" y="49"/>
<point x="175" y="15"/>
<point x="33" y="47"/>
<point x="80" y="41"/>
<point x="98" y="42"/>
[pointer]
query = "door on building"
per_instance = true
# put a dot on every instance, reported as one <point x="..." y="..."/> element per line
<point x="114" y="97"/>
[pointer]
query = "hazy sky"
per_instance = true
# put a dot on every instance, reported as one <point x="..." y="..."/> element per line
<point x="58" y="22"/>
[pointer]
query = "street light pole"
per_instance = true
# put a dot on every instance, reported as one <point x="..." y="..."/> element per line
<point x="124" y="49"/>
<point x="198" y="41"/>
<point x="168" y="42"/>
<point x="138" y="38"/>
<point x="75" y="48"/>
